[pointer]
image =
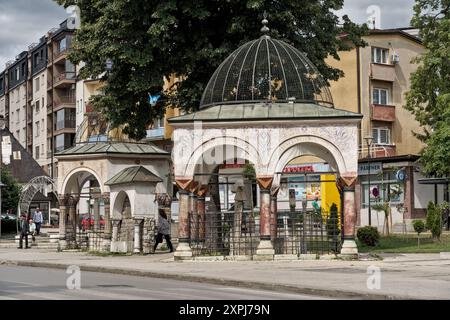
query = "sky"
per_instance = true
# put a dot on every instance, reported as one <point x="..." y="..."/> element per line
<point x="23" y="22"/>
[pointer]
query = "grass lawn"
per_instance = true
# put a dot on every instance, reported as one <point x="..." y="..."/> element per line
<point x="408" y="244"/>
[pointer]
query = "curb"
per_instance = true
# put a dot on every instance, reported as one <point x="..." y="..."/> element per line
<point x="339" y="294"/>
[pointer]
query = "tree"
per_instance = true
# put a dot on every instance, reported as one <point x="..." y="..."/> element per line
<point x="429" y="97"/>
<point x="10" y="192"/>
<point x="147" y="40"/>
<point x="434" y="220"/>
<point x="419" y="227"/>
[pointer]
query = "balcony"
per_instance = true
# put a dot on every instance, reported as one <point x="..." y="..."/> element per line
<point x="382" y="72"/>
<point x="381" y="112"/>
<point x="60" y="54"/>
<point x="64" y="124"/>
<point x="64" y="79"/>
<point x="377" y="151"/>
<point x="64" y="101"/>
<point x="155" y="134"/>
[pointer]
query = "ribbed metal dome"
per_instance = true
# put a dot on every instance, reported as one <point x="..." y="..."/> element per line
<point x="266" y="69"/>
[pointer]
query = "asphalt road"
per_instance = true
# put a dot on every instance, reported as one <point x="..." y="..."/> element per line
<point x="29" y="283"/>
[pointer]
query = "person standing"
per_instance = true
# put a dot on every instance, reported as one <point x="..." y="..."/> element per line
<point x="38" y="219"/>
<point x="24" y="230"/>
<point x="163" y="231"/>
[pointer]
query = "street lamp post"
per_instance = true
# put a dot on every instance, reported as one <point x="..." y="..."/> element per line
<point x="369" y="140"/>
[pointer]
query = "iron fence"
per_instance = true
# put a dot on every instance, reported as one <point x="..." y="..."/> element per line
<point x="298" y="232"/>
<point x="223" y="234"/>
<point x="84" y="238"/>
<point x="295" y="233"/>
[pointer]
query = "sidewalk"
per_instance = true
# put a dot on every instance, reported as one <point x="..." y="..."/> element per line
<point x="408" y="276"/>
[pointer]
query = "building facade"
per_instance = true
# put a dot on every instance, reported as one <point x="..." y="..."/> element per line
<point x="37" y="97"/>
<point x="377" y="77"/>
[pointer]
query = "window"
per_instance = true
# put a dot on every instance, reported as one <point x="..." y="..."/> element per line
<point x="37" y="104"/>
<point x="36" y="59"/>
<point x="380" y="55"/>
<point x="381" y="135"/>
<point x="17" y="74"/>
<point x="62" y="45"/>
<point x="36" y="84"/>
<point x="59" y="142"/>
<point x="42" y="82"/>
<point x="42" y="149"/>
<point x="18" y="115"/>
<point x="42" y="128"/>
<point x="36" y="152"/>
<point x="380" y="96"/>
<point x="38" y="128"/>
<point x="42" y="103"/>
<point x="22" y="68"/>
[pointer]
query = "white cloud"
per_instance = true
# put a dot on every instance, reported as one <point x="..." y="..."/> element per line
<point x="393" y="13"/>
<point x="23" y="22"/>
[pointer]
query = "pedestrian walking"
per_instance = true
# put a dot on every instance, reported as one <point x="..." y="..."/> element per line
<point x="24" y="230"/>
<point x="163" y="231"/>
<point x="38" y="219"/>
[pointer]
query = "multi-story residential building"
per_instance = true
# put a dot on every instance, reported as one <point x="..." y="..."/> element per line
<point x="376" y="80"/>
<point x="60" y="93"/>
<point x="37" y="97"/>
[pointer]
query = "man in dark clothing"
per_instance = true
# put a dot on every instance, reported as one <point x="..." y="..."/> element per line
<point x="23" y="232"/>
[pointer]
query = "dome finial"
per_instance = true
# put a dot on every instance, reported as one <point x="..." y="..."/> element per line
<point x="265" y="30"/>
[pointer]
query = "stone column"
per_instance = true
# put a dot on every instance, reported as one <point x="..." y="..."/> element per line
<point x="273" y="216"/>
<point x="115" y="229"/>
<point x="107" y="230"/>
<point x="137" y="235"/>
<point x="62" y="222"/>
<point x="237" y="222"/>
<point x="183" y="250"/>
<point x="96" y="213"/>
<point x="194" y="223"/>
<point x="201" y="217"/>
<point x="71" y="211"/>
<point x="349" y="248"/>
<point x="265" y="249"/>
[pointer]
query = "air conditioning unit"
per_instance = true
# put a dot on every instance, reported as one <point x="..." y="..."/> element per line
<point x="395" y="58"/>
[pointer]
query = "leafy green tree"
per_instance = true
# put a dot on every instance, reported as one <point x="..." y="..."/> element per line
<point x="10" y="192"/>
<point x="147" y="40"/>
<point x="434" y="220"/>
<point x="419" y="227"/>
<point x="429" y="97"/>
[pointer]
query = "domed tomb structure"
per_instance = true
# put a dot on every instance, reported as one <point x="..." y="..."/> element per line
<point x="266" y="104"/>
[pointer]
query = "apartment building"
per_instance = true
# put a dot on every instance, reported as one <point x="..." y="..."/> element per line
<point x="376" y="80"/>
<point x="158" y="133"/>
<point x="37" y="97"/>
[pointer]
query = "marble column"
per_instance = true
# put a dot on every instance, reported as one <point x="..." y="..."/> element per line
<point x="62" y="222"/>
<point x="265" y="249"/>
<point x="237" y="223"/>
<point x="201" y="217"/>
<point x="183" y="250"/>
<point x="349" y="248"/>
<point x="96" y="213"/>
<point x="194" y="222"/>
<point x="107" y="230"/>
<point x="273" y="216"/>
<point x="137" y="235"/>
<point x="115" y="229"/>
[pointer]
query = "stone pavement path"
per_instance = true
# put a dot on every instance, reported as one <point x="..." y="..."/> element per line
<point x="408" y="276"/>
